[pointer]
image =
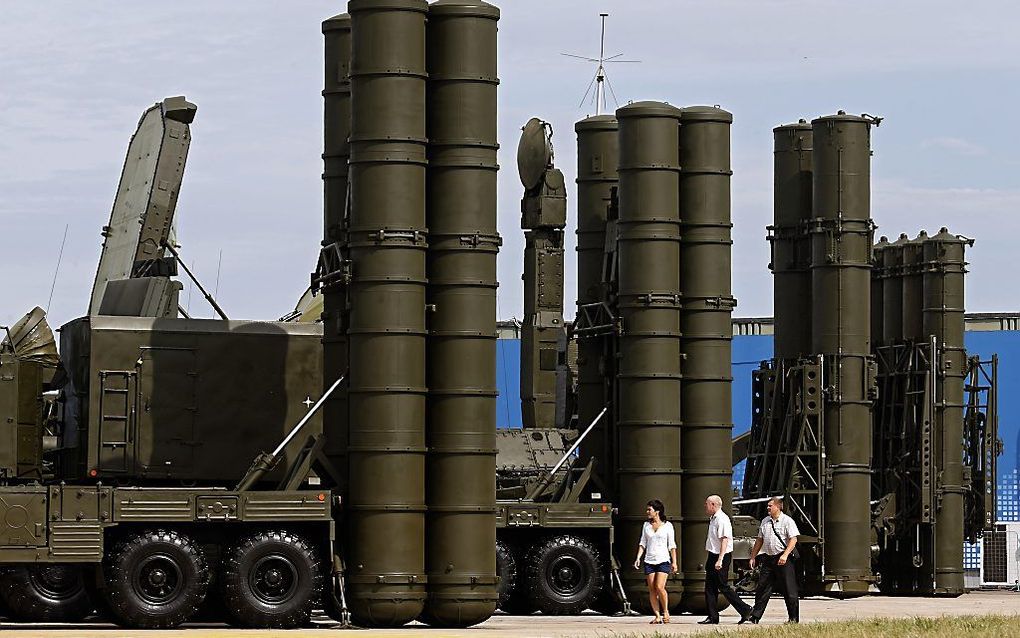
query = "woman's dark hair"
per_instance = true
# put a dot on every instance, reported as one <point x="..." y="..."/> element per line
<point x="657" y="505"/>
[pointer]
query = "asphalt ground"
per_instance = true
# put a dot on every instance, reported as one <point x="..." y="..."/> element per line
<point x="586" y="625"/>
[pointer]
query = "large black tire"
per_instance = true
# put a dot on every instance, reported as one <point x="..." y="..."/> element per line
<point x="157" y="579"/>
<point x="511" y="599"/>
<point x="564" y="575"/>
<point x="45" y="593"/>
<point x="271" y="579"/>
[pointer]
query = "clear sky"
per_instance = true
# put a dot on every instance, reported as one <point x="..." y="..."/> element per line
<point x="75" y="76"/>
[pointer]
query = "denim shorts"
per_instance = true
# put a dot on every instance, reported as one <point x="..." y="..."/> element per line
<point x="665" y="568"/>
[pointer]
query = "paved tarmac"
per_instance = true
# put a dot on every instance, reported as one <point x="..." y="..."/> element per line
<point x="587" y="625"/>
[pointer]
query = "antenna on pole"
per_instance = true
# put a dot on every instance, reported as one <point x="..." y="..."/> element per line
<point x="601" y="81"/>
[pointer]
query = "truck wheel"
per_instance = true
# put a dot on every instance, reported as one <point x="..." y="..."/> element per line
<point x="155" y="580"/>
<point x="45" y="593"/>
<point x="511" y="599"/>
<point x="564" y="574"/>
<point x="506" y="569"/>
<point x="270" y="580"/>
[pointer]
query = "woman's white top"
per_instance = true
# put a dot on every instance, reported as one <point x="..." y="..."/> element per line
<point x="657" y="543"/>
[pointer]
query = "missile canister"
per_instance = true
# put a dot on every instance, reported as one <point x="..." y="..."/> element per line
<point x="649" y="374"/>
<point x="705" y="282"/>
<point x="841" y="325"/>
<point x="791" y="245"/>
<point x="878" y="280"/>
<point x="913" y="288"/>
<point x="385" y="507"/>
<point x="944" y="269"/>
<point x="597" y="159"/>
<point x="892" y="292"/>
<point x="336" y="120"/>
<point x="460" y="523"/>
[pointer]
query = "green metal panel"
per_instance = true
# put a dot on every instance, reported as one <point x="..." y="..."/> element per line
<point x="460" y="529"/>
<point x="165" y="398"/>
<point x="913" y="288"/>
<point x="878" y="279"/>
<point x="648" y="388"/>
<point x="150" y="182"/>
<point x="23" y="517"/>
<point x="598" y="155"/>
<point x="21" y="385"/>
<point x="892" y="292"/>
<point x="386" y="334"/>
<point x="336" y="120"/>
<point x="705" y="273"/>
<point x="841" y="325"/>
<point x="943" y="319"/>
<point x="542" y="326"/>
<point x="791" y="251"/>
<point x="9" y="415"/>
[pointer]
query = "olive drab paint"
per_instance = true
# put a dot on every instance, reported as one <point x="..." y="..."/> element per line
<point x="598" y="155"/>
<point x="912" y="325"/>
<point x="878" y="280"/>
<point x="336" y="125"/>
<point x="460" y="529"/>
<point x="706" y="343"/>
<point x="791" y="243"/>
<point x="943" y="320"/>
<point x="841" y="239"/>
<point x="892" y="293"/>
<point x="543" y="335"/>
<point x="648" y="428"/>
<point x="134" y="264"/>
<point x="386" y="332"/>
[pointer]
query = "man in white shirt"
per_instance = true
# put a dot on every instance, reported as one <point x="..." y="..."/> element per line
<point x="719" y="546"/>
<point x="777" y="538"/>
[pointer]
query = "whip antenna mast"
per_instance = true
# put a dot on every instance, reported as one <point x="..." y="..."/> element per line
<point x="601" y="81"/>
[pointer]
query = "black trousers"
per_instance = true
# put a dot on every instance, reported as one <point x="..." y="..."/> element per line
<point x="784" y="577"/>
<point x="717" y="581"/>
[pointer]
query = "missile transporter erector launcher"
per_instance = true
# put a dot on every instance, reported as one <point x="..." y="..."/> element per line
<point x="882" y="427"/>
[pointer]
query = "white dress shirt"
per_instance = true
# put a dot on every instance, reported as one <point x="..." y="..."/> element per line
<point x="774" y="541"/>
<point x="657" y="543"/>
<point x="719" y="527"/>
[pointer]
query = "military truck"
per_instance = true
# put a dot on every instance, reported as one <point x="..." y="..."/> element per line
<point x="128" y="491"/>
<point x="124" y="490"/>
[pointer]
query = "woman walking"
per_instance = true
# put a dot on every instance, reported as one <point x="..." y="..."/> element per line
<point x="658" y="548"/>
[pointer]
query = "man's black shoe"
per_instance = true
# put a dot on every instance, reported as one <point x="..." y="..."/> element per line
<point x="708" y="621"/>
<point x="746" y="618"/>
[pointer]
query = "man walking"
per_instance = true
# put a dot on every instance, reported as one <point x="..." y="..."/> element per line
<point x="777" y="538"/>
<point x="719" y="546"/>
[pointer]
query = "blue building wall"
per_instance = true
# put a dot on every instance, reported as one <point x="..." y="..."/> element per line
<point x="749" y="351"/>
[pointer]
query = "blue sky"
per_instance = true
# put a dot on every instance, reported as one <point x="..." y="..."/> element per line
<point x="75" y="76"/>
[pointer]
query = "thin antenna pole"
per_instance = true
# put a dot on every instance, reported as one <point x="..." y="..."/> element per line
<point x="60" y="256"/>
<point x="219" y="262"/>
<point x="602" y="43"/>
<point x="191" y="287"/>
<point x="601" y="79"/>
<point x="600" y="73"/>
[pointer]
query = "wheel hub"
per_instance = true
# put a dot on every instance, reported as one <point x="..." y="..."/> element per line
<point x="566" y="575"/>
<point x="158" y="579"/>
<point x="56" y="582"/>
<point x="273" y="579"/>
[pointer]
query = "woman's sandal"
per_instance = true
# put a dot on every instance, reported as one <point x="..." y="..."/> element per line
<point x="656" y="621"/>
<point x="665" y="620"/>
